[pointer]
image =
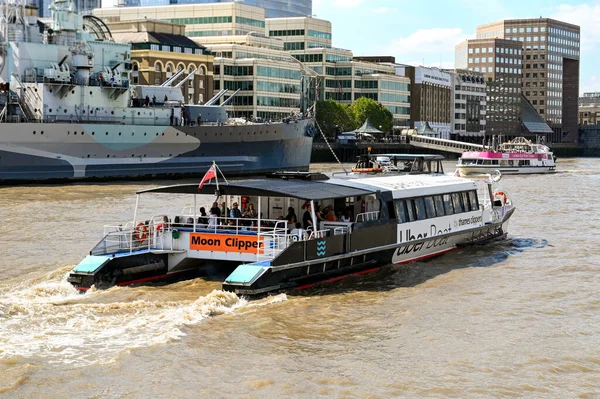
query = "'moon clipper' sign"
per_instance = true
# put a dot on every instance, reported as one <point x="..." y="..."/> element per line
<point x="225" y="243"/>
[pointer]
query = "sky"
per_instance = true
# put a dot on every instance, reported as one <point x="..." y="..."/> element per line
<point x="425" y="32"/>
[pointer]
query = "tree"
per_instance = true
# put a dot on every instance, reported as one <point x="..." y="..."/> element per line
<point x="365" y="108"/>
<point x="333" y="116"/>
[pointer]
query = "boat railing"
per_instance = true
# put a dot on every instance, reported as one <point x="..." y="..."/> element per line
<point x="337" y="227"/>
<point x="274" y="241"/>
<point x="367" y="216"/>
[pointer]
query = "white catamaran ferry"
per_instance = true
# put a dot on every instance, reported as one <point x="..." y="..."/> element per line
<point x="415" y="213"/>
<point x="518" y="156"/>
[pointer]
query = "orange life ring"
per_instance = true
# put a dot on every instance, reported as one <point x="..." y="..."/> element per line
<point x="502" y="195"/>
<point x="141" y="232"/>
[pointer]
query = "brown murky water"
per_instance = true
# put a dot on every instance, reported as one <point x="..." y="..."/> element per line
<point x="518" y="318"/>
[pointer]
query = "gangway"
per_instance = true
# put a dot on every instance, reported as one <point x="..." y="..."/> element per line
<point x="434" y="143"/>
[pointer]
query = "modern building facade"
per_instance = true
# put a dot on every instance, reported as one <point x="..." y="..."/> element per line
<point x="272" y="83"/>
<point x="273" y="8"/>
<point x="269" y="79"/>
<point x="201" y="20"/>
<point x="300" y="33"/>
<point x="551" y="54"/>
<point x="430" y="99"/>
<point x="500" y="62"/>
<point x="469" y="103"/>
<point x="159" y="50"/>
<point x="345" y="79"/>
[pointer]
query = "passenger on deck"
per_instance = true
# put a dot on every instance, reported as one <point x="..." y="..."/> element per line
<point x="235" y="213"/>
<point x="307" y="218"/>
<point x="212" y="219"/>
<point x="190" y="221"/>
<point x="215" y="209"/>
<point x="224" y="211"/>
<point x="345" y="216"/>
<point x="331" y="216"/>
<point x="250" y="212"/>
<point x="203" y="219"/>
<point x="291" y="217"/>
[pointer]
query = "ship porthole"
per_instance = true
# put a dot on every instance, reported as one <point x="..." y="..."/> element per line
<point x="132" y="133"/>
<point x="163" y="134"/>
<point x="93" y="133"/>
<point x="42" y="132"/>
<point x="88" y="155"/>
<point x="119" y="133"/>
<point x="107" y="133"/>
<point x="144" y="133"/>
<point x="34" y="132"/>
<point x="74" y="133"/>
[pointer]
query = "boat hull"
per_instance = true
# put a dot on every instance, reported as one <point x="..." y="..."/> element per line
<point x="519" y="170"/>
<point x="58" y="152"/>
<point x="308" y="274"/>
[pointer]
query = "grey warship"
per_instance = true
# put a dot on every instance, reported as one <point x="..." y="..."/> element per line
<point x="69" y="112"/>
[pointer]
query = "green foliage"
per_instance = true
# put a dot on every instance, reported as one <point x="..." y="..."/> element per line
<point x="331" y="113"/>
<point x="377" y="114"/>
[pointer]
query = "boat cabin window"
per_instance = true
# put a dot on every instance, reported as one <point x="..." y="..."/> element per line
<point x="448" y="208"/>
<point x="439" y="205"/>
<point x="428" y="207"/>
<point x="473" y="200"/>
<point x="465" y="201"/>
<point x="401" y="211"/>
<point x="457" y="202"/>
<point x="420" y="208"/>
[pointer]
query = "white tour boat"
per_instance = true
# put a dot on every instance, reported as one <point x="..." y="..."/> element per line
<point x="518" y="156"/>
<point x="413" y="213"/>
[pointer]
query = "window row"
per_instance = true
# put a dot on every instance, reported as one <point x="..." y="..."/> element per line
<point x="422" y="208"/>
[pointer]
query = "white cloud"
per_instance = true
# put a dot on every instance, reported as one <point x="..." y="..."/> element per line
<point x="587" y="16"/>
<point x="432" y="46"/>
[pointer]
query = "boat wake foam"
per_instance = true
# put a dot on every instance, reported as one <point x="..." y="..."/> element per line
<point x="49" y="319"/>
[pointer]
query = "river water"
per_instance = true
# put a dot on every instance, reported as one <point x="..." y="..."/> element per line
<point x="517" y="318"/>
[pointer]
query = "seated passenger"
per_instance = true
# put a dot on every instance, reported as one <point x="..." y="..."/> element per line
<point x="213" y="218"/>
<point x="190" y="221"/>
<point x="235" y="213"/>
<point x="345" y="216"/>
<point x="215" y="208"/>
<point x="250" y="212"/>
<point x="331" y="216"/>
<point x="203" y="219"/>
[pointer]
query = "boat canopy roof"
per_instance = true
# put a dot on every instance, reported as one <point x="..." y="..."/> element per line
<point x="302" y="189"/>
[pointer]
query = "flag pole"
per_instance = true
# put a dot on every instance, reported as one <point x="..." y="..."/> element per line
<point x="216" y="174"/>
<point x="222" y="175"/>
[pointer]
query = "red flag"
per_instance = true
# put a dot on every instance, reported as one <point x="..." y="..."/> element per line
<point x="210" y="174"/>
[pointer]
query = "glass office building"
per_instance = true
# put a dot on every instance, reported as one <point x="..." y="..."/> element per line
<point x="273" y="8"/>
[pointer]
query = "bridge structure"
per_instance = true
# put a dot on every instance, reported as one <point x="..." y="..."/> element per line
<point x="435" y="144"/>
